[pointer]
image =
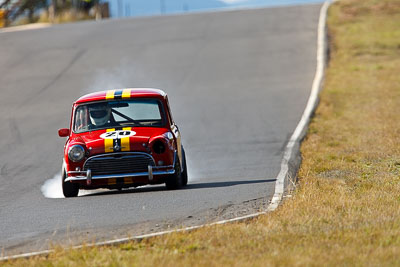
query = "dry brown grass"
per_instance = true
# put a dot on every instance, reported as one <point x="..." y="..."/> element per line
<point x="346" y="208"/>
<point x="65" y="16"/>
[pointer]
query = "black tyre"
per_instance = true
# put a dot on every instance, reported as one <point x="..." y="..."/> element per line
<point x="185" y="172"/>
<point x="69" y="189"/>
<point x="175" y="181"/>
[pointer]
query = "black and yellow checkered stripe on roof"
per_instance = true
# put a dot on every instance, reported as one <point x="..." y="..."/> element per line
<point x="118" y="94"/>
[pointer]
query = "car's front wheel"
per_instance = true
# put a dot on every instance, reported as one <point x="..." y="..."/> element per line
<point x="175" y="181"/>
<point x="69" y="189"/>
<point x="179" y="178"/>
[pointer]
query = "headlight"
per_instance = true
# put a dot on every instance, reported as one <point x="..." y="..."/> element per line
<point x="159" y="147"/>
<point x="76" y="153"/>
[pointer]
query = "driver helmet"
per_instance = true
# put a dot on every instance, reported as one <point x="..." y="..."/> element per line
<point x="99" y="114"/>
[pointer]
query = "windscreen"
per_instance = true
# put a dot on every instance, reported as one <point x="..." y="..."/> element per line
<point x="111" y="114"/>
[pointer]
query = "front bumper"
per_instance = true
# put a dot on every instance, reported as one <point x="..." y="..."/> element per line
<point x="110" y="162"/>
<point x="75" y="176"/>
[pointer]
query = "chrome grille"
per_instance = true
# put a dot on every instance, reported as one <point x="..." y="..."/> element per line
<point x="119" y="163"/>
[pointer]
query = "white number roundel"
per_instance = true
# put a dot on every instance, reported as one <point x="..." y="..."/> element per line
<point x="117" y="134"/>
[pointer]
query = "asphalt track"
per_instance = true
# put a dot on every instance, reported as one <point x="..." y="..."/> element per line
<point x="238" y="82"/>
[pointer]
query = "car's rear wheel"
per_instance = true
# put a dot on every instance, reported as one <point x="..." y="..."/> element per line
<point x="184" y="173"/>
<point x="69" y="189"/>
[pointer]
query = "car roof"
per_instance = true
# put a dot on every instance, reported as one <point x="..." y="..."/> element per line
<point x="125" y="93"/>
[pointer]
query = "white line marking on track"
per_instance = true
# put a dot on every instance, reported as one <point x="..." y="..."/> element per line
<point x="279" y="185"/>
<point x="311" y="105"/>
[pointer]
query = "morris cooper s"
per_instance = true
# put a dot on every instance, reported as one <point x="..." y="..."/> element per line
<point x="120" y="139"/>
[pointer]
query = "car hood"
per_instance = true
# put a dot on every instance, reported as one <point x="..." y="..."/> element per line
<point x="116" y="140"/>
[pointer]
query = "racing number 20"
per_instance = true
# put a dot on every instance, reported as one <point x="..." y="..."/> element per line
<point x="117" y="134"/>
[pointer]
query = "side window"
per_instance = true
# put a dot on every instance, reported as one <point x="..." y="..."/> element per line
<point x="81" y="119"/>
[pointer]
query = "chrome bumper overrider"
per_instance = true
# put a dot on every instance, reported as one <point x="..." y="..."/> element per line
<point x="88" y="177"/>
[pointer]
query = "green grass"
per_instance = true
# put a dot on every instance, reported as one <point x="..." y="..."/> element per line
<point x="345" y="210"/>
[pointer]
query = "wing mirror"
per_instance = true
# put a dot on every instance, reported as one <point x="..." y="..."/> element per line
<point x="64" y="132"/>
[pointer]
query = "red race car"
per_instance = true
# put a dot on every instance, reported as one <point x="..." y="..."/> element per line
<point x="122" y="138"/>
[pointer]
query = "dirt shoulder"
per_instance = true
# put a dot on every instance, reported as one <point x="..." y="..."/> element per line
<point x="345" y="210"/>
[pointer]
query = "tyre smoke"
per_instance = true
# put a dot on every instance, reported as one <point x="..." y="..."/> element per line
<point x="52" y="188"/>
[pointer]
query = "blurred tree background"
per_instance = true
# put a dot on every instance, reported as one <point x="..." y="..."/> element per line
<point x="16" y="12"/>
